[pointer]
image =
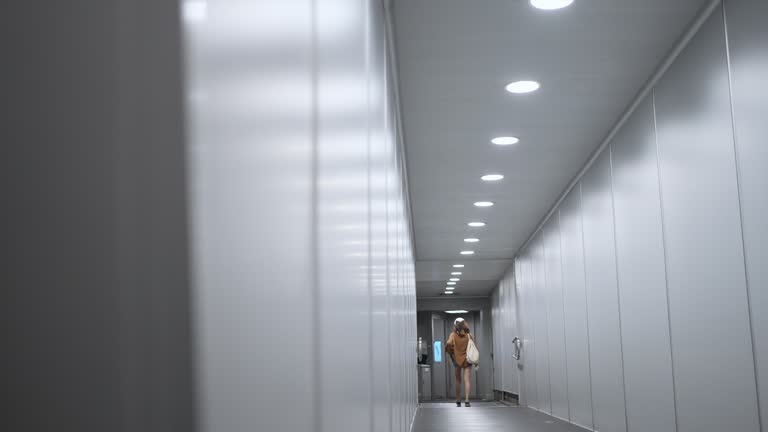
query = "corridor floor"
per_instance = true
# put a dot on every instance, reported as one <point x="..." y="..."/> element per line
<point x="486" y="417"/>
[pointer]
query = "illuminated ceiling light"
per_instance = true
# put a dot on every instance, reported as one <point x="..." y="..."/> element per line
<point x="450" y="288"/>
<point x="522" y="87"/>
<point x="450" y="283"/>
<point x="492" y="177"/>
<point x="454" y="279"/>
<point x="458" y="265"/>
<point x="505" y="140"/>
<point x="455" y="273"/>
<point x="476" y="224"/>
<point x="456" y="311"/>
<point x="467" y="252"/>
<point x="551" y="4"/>
<point x="448" y="292"/>
<point x="483" y="204"/>
<point x="471" y="240"/>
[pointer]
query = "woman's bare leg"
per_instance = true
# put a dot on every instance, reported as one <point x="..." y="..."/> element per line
<point x="458" y="383"/>
<point x="467" y="381"/>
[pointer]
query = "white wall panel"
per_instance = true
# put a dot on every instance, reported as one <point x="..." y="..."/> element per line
<point x="300" y="227"/>
<point x="528" y="352"/>
<point x="541" y="327"/>
<point x="380" y="154"/>
<point x="395" y="356"/>
<point x="642" y="277"/>
<point x="498" y="371"/>
<point x="575" y="302"/>
<point x="748" y="39"/>
<point x="517" y="331"/>
<point x="602" y="298"/>
<point x="342" y="214"/>
<point x="507" y="319"/>
<point x="558" y="376"/>
<point x="252" y="233"/>
<point x="503" y="333"/>
<point x="704" y="250"/>
<point x="510" y="378"/>
<point x="662" y="245"/>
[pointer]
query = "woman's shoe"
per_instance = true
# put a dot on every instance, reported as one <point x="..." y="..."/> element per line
<point x="466" y="404"/>
<point x="458" y="404"/>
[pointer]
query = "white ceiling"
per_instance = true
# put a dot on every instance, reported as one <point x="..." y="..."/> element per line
<point x="454" y="59"/>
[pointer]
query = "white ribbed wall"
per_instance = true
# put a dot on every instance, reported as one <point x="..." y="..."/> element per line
<point x="641" y="298"/>
<point x="504" y="329"/>
<point x="304" y="286"/>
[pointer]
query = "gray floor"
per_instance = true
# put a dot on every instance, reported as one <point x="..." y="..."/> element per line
<point x="452" y="404"/>
<point x="486" y="417"/>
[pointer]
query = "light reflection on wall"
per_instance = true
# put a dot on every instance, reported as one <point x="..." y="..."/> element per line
<point x="299" y="227"/>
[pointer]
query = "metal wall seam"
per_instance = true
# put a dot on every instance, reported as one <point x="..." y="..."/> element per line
<point x="562" y="294"/>
<point x="394" y="71"/>
<point x="618" y="290"/>
<point x="586" y="302"/>
<point x="740" y="193"/>
<point x="316" y="318"/>
<point x="666" y="263"/>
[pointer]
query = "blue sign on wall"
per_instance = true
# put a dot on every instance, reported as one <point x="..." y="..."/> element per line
<point x="438" y="351"/>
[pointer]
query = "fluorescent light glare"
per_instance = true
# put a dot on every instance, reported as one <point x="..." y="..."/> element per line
<point x="458" y="265"/>
<point x="551" y="4"/>
<point x="505" y="140"/>
<point x="522" y="87"/>
<point x="467" y="252"/>
<point x="476" y="224"/>
<point x="448" y="292"/>
<point x="491" y="177"/>
<point x="456" y="311"/>
<point x="483" y="204"/>
<point x="471" y="240"/>
<point x="454" y="279"/>
<point x="455" y="273"/>
<point x="450" y="283"/>
<point x="450" y="288"/>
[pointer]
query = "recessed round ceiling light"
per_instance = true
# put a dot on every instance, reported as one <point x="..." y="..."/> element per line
<point x="476" y="224"/>
<point x="483" y="204"/>
<point x="505" y="140"/>
<point x="451" y="283"/>
<point x="458" y="265"/>
<point x="550" y="4"/>
<point x="471" y="240"/>
<point x="492" y="177"/>
<point x="467" y="252"/>
<point x="448" y="292"/>
<point x="455" y="273"/>
<point x="522" y="86"/>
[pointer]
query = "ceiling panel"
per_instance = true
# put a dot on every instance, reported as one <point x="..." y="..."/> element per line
<point x="478" y="276"/>
<point x="454" y="59"/>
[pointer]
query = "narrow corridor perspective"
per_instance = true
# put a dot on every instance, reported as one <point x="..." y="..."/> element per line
<point x="384" y="215"/>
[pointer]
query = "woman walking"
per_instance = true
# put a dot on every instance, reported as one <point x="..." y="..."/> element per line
<point x="456" y="347"/>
